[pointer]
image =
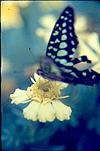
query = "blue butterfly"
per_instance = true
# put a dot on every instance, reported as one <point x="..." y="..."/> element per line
<point x="61" y="62"/>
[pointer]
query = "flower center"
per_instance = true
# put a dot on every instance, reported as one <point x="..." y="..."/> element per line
<point x="45" y="87"/>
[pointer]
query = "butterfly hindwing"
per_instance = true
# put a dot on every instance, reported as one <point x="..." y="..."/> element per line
<point x="86" y="77"/>
<point x="82" y="72"/>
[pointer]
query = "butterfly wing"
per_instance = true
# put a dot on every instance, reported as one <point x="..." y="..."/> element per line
<point x="62" y="50"/>
<point x="63" y="41"/>
<point x="82" y="72"/>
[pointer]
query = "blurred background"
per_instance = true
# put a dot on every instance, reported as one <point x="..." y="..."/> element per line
<point x="25" y="26"/>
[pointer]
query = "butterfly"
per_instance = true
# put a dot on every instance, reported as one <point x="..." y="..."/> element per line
<point x="61" y="62"/>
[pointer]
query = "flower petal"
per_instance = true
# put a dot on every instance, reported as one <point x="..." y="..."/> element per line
<point x="64" y="85"/>
<point x="46" y="113"/>
<point x="19" y="96"/>
<point x="61" y="85"/>
<point x="31" y="111"/>
<point x="37" y="77"/>
<point x="33" y="81"/>
<point x="62" y="111"/>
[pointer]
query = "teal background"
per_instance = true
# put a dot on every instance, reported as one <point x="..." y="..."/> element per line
<point x="82" y="131"/>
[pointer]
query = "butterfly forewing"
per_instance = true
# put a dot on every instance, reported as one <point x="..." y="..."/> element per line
<point x="63" y="41"/>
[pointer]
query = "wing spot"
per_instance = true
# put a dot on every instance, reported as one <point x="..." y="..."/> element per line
<point x="55" y="33"/>
<point x="65" y="18"/>
<point x="70" y="20"/>
<point x="57" y="60"/>
<point x="63" y="45"/>
<point x="72" y="42"/>
<point x="66" y="12"/>
<point x="57" y="25"/>
<point x="63" y="61"/>
<point x="71" y="56"/>
<point x="52" y="56"/>
<point x="74" y="74"/>
<point x="84" y="73"/>
<point x="49" y="54"/>
<point x="70" y="27"/>
<point x="64" y="24"/>
<point x="57" y="40"/>
<point x="55" y="49"/>
<point x="51" y="42"/>
<point x="71" y="34"/>
<point x="62" y="53"/>
<point x="80" y="59"/>
<point x="62" y="17"/>
<point x="73" y="49"/>
<point x="63" y="37"/>
<point x="59" y="28"/>
<point x="50" y="47"/>
<point x="64" y="31"/>
<point x="93" y="76"/>
<point x="66" y="70"/>
<point x="69" y="64"/>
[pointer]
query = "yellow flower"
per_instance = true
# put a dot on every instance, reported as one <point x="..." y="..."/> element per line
<point x="90" y="46"/>
<point x="49" y="5"/>
<point x="81" y="24"/>
<point x="5" y="65"/>
<point x="44" y="100"/>
<point x="47" y="22"/>
<point x="10" y="14"/>
<point x="89" y="43"/>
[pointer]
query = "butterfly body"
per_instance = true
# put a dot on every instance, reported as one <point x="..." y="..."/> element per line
<point x="61" y="62"/>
